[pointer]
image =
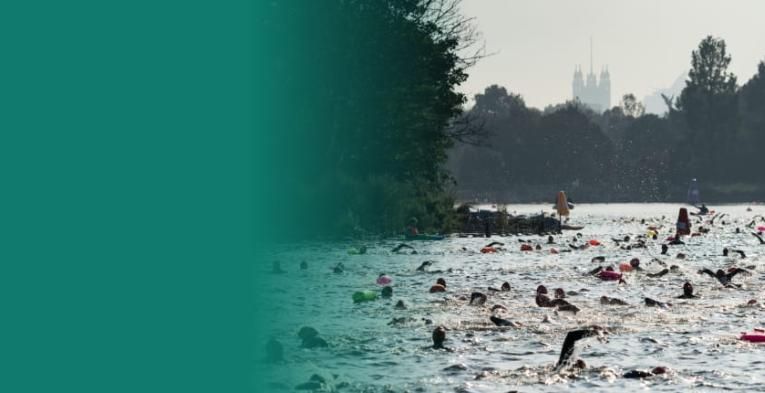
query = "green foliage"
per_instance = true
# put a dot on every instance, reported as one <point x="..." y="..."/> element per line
<point x="369" y="133"/>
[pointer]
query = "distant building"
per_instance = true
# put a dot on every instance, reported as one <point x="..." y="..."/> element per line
<point x="593" y="93"/>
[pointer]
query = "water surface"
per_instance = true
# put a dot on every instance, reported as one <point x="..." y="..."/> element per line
<point x="697" y="339"/>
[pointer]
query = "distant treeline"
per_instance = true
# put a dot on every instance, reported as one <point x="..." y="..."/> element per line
<point x="714" y="131"/>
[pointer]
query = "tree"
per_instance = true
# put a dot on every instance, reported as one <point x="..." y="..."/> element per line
<point x="752" y="130"/>
<point x="709" y="108"/>
<point x="631" y="106"/>
<point x="370" y="88"/>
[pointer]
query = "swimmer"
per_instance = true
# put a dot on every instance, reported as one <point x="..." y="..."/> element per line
<point x="676" y="241"/>
<point x="723" y="277"/>
<point x="339" y="268"/>
<point x="568" y="307"/>
<point x="402" y="246"/>
<point x="612" y="301"/>
<point x="543" y="300"/>
<point x="607" y="274"/>
<point x="687" y="292"/>
<point x="439" y="336"/>
<point x="440" y="286"/>
<point x="550" y="240"/>
<point x="664" y="249"/>
<point x="575" y="335"/>
<point x="424" y="265"/>
<point x="633" y="265"/>
<point x="645" y="374"/>
<point x="400" y="305"/>
<point x="740" y="253"/>
<point x="310" y="337"/>
<point x="560" y="293"/>
<point x="655" y="303"/>
<point x="492" y="244"/>
<point x="504" y="322"/>
<point x="387" y="292"/>
<point x="505" y="286"/>
<point x="477" y="299"/>
<point x="659" y="274"/>
<point x="304" y="265"/>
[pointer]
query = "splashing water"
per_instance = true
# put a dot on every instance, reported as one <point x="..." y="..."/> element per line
<point x="374" y="347"/>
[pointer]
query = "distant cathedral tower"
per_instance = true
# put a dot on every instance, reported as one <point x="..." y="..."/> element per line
<point x="591" y="93"/>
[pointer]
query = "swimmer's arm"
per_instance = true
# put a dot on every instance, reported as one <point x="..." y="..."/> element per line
<point x="737" y="271"/>
<point x="595" y="271"/>
<point x="707" y="271"/>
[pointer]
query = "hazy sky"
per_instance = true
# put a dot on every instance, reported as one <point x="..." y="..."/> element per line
<point x="646" y="44"/>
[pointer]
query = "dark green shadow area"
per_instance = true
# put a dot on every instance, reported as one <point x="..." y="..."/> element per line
<point x="126" y="149"/>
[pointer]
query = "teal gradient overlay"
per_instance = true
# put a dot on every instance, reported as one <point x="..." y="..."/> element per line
<point x="353" y="105"/>
<point x="127" y="196"/>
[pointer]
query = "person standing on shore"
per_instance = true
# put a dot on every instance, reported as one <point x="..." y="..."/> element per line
<point x="562" y="207"/>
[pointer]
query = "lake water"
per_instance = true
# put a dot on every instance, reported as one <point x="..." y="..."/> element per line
<point x="697" y="338"/>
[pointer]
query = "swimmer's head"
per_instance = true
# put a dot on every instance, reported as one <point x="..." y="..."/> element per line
<point x="559" y="293"/>
<point x="505" y="286"/>
<point x="439" y="336"/>
<point x="579" y="364"/>
<point x="307" y="332"/>
<point x="659" y="370"/>
<point x="604" y="299"/>
<point x="634" y="262"/>
<point x="687" y="288"/>
<point x="541" y="290"/>
<point x="441" y="281"/>
<point x="725" y="252"/>
<point x="609" y="268"/>
<point x="303" y="265"/>
<point x="400" y="305"/>
<point x="387" y="292"/>
<point x="720" y="273"/>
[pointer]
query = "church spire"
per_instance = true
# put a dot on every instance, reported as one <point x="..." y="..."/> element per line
<point x="591" y="55"/>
